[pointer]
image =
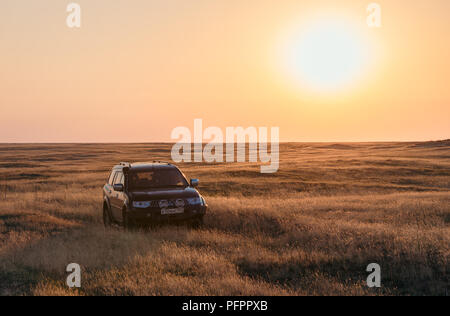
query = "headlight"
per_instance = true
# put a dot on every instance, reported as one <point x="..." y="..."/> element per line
<point x="145" y="204"/>
<point x="195" y="201"/>
<point x="163" y="203"/>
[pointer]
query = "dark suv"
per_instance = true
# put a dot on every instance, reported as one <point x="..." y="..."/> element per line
<point x="146" y="193"/>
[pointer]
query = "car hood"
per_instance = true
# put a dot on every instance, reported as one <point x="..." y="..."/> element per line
<point x="164" y="194"/>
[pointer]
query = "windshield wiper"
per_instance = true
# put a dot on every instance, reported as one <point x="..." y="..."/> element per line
<point x="162" y="186"/>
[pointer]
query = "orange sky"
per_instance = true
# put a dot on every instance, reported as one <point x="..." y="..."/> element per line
<point x="137" y="69"/>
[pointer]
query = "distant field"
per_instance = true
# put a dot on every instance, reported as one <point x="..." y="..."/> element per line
<point x="310" y="229"/>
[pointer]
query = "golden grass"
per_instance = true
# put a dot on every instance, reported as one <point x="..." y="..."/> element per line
<point x="310" y="229"/>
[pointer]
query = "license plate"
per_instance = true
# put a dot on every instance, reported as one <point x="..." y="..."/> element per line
<point x="169" y="211"/>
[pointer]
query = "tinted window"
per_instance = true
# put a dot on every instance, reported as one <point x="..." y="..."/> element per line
<point x="157" y="178"/>
<point x="119" y="178"/>
<point x="111" y="178"/>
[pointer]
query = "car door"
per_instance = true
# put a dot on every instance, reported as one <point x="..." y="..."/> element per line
<point x="116" y="198"/>
<point x="108" y="189"/>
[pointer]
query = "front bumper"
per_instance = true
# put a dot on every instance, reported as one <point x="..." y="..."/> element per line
<point x="153" y="215"/>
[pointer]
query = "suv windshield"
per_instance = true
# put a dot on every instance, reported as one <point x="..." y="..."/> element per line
<point x="157" y="178"/>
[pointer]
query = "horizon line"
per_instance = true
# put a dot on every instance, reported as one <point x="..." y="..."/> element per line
<point x="192" y="143"/>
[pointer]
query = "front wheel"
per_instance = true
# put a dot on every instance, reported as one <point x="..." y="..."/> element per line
<point x="126" y="222"/>
<point x="106" y="218"/>
<point x="197" y="223"/>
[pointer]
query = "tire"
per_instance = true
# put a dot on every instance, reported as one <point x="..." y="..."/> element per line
<point x="197" y="223"/>
<point x="106" y="217"/>
<point x="126" y="222"/>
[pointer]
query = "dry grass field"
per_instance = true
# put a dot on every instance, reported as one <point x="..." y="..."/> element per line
<point x="310" y="229"/>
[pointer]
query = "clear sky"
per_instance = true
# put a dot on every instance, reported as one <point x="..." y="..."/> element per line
<point x="137" y="69"/>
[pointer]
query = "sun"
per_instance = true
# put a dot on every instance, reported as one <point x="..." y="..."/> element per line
<point x="326" y="55"/>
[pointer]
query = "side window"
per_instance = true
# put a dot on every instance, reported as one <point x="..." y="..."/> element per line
<point x="119" y="178"/>
<point x="111" y="178"/>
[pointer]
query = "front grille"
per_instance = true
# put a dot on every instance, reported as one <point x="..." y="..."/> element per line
<point x="154" y="204"/>
<point x="172" y="203"/>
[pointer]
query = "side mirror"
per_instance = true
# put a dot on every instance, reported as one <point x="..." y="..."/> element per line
<point x="118" y="187"/>
<point x="194" y="183"/>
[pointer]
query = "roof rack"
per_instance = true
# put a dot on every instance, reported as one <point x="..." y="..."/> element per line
<point x="127" y="164"/>
<point x="159" y="161"/>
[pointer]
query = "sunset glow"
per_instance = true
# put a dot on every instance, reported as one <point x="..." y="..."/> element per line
<point x="326" y="55"/>
<point x="315" y="69"/>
